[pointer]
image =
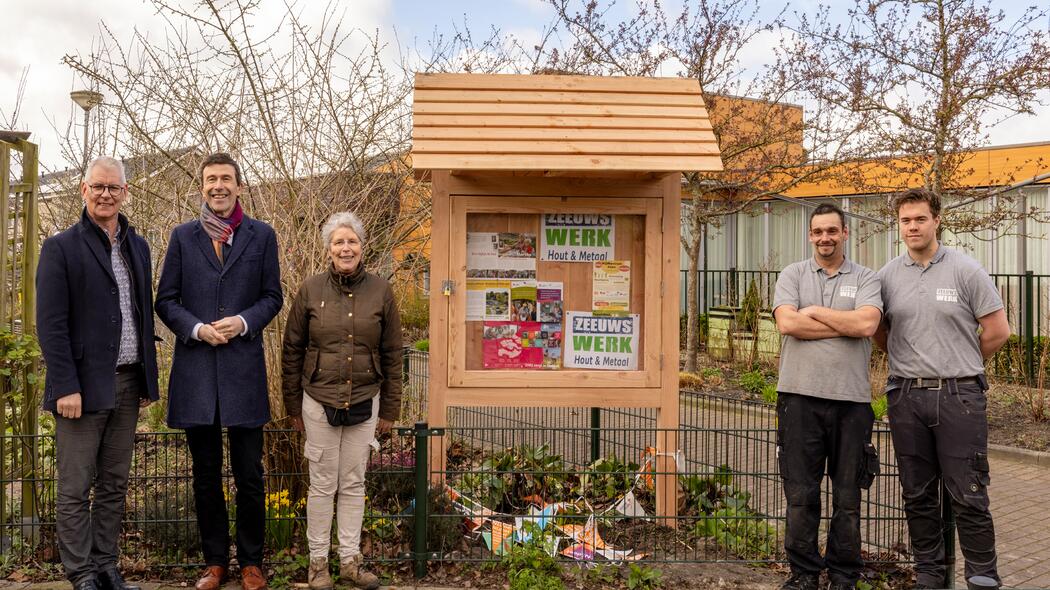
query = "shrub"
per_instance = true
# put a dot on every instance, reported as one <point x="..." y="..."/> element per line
<point x="415" y="312"/>
<point x="752" y="382"/>
<point x="769" y="393"/>
<point x="690" y="381"/>
<point x="422" y="345"/>
<point x="880" y="406"/>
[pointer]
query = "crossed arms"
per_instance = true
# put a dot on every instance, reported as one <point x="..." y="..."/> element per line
<point x="815" y="322"/>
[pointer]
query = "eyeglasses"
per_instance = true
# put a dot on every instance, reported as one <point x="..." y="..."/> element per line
<point x="100" y="189"/>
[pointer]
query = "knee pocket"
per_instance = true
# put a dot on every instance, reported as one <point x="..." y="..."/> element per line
<point x="968" y="482"/>
<point x="323" y="478"/>
<point x="801" y="494"/>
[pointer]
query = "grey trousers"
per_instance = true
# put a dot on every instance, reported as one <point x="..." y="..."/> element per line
<point x="94" y="451"/>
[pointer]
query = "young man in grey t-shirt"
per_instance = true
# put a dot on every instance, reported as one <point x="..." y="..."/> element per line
<point x="826" y="308"/>
<point x="936" y="298"/>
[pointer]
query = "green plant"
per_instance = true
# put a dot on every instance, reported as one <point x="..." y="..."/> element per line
<point x="769" y="393"/>
<point x="752" y="382"/>
<point x="18" y="355"/>
<point x="287" y="567"/>
<point x="422" y="345"/>
<point x="712" y="375"/>
<point x="880" y="406"/>
<point x="606" y="479"/>
<point x="706" y="492"/>
<point x="281" y="515"/>
<point x="600" y="576"/>
<point x="507" y="476"/>
<point x="531" y="567"/>
<point x="643" y="577"/>
<point x="738" y="528"/>
<point x="747" y="317"/>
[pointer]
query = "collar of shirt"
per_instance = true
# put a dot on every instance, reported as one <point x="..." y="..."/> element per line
<point x="937" y="256"/>
<point x="845" y="268"/>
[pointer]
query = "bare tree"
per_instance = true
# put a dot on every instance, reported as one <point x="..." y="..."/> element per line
<point x="931" y="76"/>
<point x="318" y="116"/>
<point x="763" y="139"/>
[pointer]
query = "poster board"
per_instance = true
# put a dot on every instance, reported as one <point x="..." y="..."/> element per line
<point x="485" y="283"/>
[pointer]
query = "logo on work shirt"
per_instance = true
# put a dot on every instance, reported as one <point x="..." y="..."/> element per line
<point x="948" y="295"/>
<point x="848" y="291"/>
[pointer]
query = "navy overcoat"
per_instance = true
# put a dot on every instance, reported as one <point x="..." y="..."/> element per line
<point x="196" y="288"/>
<point x="78" y="313"/>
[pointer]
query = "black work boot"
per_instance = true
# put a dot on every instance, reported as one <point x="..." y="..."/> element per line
<point x="88" y="584"/>
<point x="801" y="582"/>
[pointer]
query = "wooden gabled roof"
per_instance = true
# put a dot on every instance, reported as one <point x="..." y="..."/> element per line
<point x="561" y="124"/>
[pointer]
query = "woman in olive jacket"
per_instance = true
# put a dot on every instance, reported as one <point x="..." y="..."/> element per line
<point x="342" y="346"/>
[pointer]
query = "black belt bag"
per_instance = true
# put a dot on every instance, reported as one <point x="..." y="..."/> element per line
<point x="351" y="416"/>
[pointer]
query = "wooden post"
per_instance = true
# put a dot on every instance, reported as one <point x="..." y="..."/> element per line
<point x="30" y="256"/>
<point x="437" y="413"/>
<point x="668" y="417"/>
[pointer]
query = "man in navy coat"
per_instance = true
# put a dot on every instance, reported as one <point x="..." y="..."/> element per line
<point x="95" y="324"/>
<point x="219" y="287"/>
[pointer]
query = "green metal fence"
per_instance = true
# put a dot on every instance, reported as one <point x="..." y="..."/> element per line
<point x="500" y="468"/>
<point x="1026" y="298"/>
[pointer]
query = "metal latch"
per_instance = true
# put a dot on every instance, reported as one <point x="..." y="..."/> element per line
<point x="446" y="287"/>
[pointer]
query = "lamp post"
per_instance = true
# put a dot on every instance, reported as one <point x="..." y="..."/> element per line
<point x="87" y="100"/>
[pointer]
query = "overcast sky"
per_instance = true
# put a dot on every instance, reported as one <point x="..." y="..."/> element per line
<point x="40" y="32"/>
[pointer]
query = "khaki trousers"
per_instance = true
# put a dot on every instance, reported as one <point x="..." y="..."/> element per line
<point x="338" y="457"/>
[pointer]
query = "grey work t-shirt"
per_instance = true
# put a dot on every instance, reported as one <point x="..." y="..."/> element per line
<point x="931" y="314"/>
<point x="830" y="368"/>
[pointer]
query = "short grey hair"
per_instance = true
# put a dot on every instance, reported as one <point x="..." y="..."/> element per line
<point x="107" y="162"/>
<point x="343" y="219"/>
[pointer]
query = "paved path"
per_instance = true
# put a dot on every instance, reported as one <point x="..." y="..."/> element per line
<point x="1020" y="495"/>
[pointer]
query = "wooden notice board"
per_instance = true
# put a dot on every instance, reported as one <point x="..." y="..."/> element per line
<point x="501" y="152"/>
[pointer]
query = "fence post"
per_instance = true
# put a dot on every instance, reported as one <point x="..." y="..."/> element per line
<point x="733" y="300"/>
<point x="421" y="434"/>
<point x="405" y="351"/>
<point x="596" y="434"/>
<point x="948" y="519"/>
<point x="1029" y="326"/>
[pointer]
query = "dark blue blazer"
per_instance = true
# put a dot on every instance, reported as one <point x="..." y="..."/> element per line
<point x="196" y="288"/>
<point x="78" y="313"/>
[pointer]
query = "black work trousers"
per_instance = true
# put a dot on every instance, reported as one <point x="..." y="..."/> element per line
<point x="814" y="435"/>
<point x="941" y="438"/>
<point x="246" y="445"/>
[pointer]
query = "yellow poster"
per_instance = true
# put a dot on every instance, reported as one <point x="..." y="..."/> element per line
<point x="611" y="291"/>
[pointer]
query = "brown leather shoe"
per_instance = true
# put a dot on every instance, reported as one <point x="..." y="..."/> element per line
<point x="252" y="578"/>
<point x="214" y="576"/>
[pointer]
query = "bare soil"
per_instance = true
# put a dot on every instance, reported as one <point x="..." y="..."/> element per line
<point x="1011" y="420"/>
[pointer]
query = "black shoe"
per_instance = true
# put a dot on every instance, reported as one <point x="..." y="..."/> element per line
<point x="801" y="582"/>
<point x="842" y="586"/>
<point x="110" y="579"/>
<point x="88" y="584"/>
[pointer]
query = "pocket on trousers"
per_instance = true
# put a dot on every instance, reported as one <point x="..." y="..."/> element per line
<point x="313" y="453"/>
<point x="869" y="466"/>
<point x="980" y="471"/>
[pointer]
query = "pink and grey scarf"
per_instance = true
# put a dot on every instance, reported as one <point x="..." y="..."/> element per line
<point x="220" y="229"/>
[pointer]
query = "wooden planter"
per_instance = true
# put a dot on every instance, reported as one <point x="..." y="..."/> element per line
<point x="725" y="341"/>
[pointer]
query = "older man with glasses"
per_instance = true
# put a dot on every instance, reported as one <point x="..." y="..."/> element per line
<point x="95" y="323"/>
